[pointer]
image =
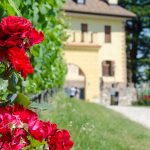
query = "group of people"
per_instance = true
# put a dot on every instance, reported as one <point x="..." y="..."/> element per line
<point x="114" y="94"/>
<point x="74" y="92"/>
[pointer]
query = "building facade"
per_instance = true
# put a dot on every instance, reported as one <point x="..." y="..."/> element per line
<point x="96" y="49"/>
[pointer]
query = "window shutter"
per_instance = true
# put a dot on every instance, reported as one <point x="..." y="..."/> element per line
<point x="108" y="68"/>
<point x="112" y="68"/>
<point x="84" y="27"/>
<point x="105" y="68"/>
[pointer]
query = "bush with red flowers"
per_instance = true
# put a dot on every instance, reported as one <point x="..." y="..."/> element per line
<point x="146" y="97"/>
<point x="17" y="37"/>
<point x="19" y="126"/>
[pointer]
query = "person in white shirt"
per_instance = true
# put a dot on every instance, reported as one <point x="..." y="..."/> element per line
<point x="72" y="91"/>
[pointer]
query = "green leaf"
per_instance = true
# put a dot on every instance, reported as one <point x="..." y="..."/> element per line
<point x="35" y="53"/>
<point x="17" y="3"/>
<point x="14" y="79"/>
<point x="43" y="9"/>
<point x="35" y="143"/>
<point x="22" y="99"/>
<point x="35" y="13"/>
<point x="42" y="106"/>
<point x="8" y="8"/>
<point x="13" y="5"/>
<point x="12" y="82"/>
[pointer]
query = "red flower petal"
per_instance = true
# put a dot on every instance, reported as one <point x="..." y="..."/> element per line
<point x="2" y="55"/>
<point x="35" y="37"/>
<point x="60" y="141"/>
<point x="25" y="115"/>
<point x="14" y="25"/>
<point x="41" y="130"/>
<point x="19" y="61"/>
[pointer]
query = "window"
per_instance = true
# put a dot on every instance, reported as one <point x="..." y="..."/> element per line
<point x="84" y="27"/>
<point x="81" y="1"/>
<point x="108" y="68"/>
<point x="107" y="34"/>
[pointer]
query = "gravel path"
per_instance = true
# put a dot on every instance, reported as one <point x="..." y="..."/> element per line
<point x="137" y="114"/>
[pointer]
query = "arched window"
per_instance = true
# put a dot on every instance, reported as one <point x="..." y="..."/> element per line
<point x="74" y="70"/>
<point x="108" y="68"/>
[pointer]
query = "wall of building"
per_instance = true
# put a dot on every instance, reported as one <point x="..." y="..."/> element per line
<point x="90" y="60"/>
<point x="114" y="51"/>
<point x="87" y="61"/>
<point x="126" y="94"/>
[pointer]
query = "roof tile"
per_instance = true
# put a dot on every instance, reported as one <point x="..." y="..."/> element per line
<point x="97" y="7"/>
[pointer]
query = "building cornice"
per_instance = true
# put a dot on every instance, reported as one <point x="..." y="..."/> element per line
<point x="82" y="46"/>
<point x="98" y="14"/>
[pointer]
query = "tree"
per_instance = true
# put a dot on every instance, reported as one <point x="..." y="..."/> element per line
<point x="138" y="40"/>
<point x="50" y="68"/>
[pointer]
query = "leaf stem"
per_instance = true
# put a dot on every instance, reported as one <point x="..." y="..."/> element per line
<point x="44" y="147"/>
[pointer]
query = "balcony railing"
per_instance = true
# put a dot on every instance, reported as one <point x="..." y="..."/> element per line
<point x="83" y="37"/>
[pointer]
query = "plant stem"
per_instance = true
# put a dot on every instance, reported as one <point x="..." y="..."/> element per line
<point x="44" y="147"/>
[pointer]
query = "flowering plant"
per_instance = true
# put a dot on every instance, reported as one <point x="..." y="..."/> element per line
<point x="16" y="38"/>
<point x="19" y="126"/>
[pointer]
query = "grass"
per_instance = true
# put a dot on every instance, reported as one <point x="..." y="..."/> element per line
<point x="94" y="127"/>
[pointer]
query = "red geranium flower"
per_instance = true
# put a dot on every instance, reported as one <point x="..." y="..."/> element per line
<point x="19" y="139"/>
<point x="3" y="36"/>
<point x="35" y="37"/>
<point x="25" y="115"/>
<point x="14" y="25"/>
<point x="14" y="41"/>
<point x="37" y="130"/>
<point x="41" y="130"/>
<point x="60" y="141"/>
<point x="51" y="129"/>
<point x="18" y="31"/>
<point x="19" y="61"/>
<point x="5" y="135"/>
<point x="14" y="140"/>
<point x="16" y="36"/>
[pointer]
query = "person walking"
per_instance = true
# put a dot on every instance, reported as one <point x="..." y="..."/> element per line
<point x="72" y="92"/>
<point x="112" y="96"/>
<point x="116" y="98"/>
<point x="77" y="94"/>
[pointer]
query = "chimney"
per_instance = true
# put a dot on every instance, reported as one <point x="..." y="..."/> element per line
<point x="113" y="2"/>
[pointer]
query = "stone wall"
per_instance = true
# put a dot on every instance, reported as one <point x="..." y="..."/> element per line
<point x="127" y="94"/>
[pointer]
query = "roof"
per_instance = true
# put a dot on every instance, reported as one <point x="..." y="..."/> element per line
<point x="97" y="7"/>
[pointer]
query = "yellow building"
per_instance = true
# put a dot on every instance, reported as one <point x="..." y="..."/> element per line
<point x="96" y="50"/>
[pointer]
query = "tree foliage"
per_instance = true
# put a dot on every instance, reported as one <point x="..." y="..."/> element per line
<point x="50" y="68"/>
<point x="138" y="40"/>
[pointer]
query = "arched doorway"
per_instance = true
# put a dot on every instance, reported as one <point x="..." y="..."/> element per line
<point x="75" y="78"/>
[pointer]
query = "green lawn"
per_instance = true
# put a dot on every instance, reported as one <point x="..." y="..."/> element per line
<point x="94" y="127"/>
